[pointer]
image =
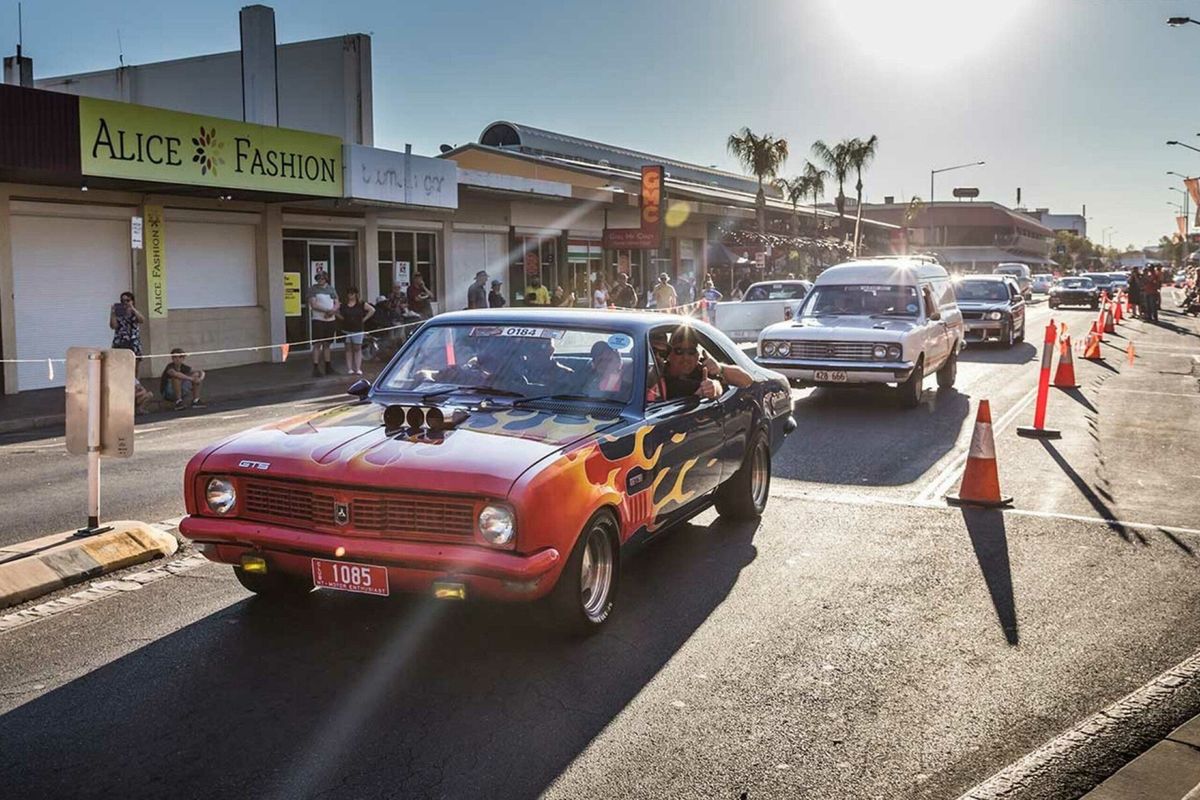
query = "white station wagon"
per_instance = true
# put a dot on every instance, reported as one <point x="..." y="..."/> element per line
<point x="890" y="320"/>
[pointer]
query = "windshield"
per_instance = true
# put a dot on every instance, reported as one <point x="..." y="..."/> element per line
<point x="980" y="291"/>
<point x="1014" y="271"/>
<point x="1075" y="283"/>
<point x="775" y="291"/>
<point x="1099" y="279"/>
<point x="515" y="362"/>
<point x="849" y="300"/>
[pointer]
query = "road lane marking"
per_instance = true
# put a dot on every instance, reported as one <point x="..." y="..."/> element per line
<point x="945" y="479"/>
<point x="1163" y="394"/>
<point x="235" y="416"/>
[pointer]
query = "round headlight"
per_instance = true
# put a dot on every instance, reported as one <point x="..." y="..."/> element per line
<point x="783" y="348"/>
<point x="894" y="352"/>
<point x="879" y="351"/>
<point x="994" y="315"/>
<point x="768" y="348"/>
<point x="220" y="495"/>
<point x="497" y="525"/>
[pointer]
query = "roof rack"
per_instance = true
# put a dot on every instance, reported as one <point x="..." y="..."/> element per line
<point x="928" y="259"/>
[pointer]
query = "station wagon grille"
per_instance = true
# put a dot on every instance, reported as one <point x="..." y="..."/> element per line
<point x="379" y="514"/>
<point x="832" y="351"/>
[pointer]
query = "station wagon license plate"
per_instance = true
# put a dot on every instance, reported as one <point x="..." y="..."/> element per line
<point x="830" y="376"/>
<point x="346" y="576"/>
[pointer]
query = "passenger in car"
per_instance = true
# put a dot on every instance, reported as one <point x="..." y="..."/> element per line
<point x="690" y="371"/>
<point x="604" y="375"/>
<point x="540" y="369"/>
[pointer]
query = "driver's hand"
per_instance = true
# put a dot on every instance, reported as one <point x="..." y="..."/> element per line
<point x="709" y="389"/>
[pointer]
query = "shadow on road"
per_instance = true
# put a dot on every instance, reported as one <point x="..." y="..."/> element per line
<point x="1103" y="510"/>
<point x="1021" y="353"/>
<point x="985" y="526"/>
<point x="901" y="447"/>
<point x="355" y="697"/>
<point x="1078" y="397"/>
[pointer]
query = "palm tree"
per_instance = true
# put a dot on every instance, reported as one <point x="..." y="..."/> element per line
<point x="815" y="177"/>
<point x="794" y="190"/>
<point x="762" y="155"/>
<point x="862" y="153"/>
<point x="837" y="158"/>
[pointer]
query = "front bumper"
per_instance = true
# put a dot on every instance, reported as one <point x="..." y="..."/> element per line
<point x="978" y="330"/>
<point x="1073" y="300"/>
<point x="805" y="370"/>
<point x="412" y="567"/>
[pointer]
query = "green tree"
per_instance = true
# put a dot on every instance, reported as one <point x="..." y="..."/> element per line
<point x="837" y="159"/>
<point x="814" y="178"/>
<point x="763" y="156"/>
<point x="862" y="153"/>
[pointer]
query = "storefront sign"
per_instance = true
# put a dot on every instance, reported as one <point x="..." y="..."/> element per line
<point x="156" y="262"/>
<point x="402" y="272"/>
<point x="760" y="260"/>
<point x="135" y="233"/>
<point x="649" y="235"/>
<point x="291" y="294"/>
<point x="122" y="140"/>
<point x="391" y="177"/>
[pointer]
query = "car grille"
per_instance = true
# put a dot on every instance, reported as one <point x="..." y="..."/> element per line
<point x="378" y="514"/>
<point x="972" y="315"/>
<point x="832" y="351"/>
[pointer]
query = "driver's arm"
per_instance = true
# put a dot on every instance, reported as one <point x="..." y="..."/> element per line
<point x="728" y="373"/>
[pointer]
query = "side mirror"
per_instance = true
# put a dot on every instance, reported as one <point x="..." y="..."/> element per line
<point x="359" y="388"/>
<point x="934" y="315"/>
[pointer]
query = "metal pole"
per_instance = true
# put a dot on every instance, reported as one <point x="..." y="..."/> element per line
<point x="931" y="173"/>
<point x="93" y="440"/>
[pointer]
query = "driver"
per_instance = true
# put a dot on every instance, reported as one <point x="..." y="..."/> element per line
<point x="690" y="371"/>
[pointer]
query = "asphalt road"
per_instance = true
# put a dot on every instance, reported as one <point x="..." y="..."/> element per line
<point x="863" y="640"/>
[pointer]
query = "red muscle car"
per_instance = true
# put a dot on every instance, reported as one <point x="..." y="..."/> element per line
<point x="507" y="454"/>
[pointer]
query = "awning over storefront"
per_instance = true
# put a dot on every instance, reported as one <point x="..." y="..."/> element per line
<point x="986" y="255"/>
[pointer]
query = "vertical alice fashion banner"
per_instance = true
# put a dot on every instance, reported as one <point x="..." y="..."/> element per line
<point x="156" y="263"/>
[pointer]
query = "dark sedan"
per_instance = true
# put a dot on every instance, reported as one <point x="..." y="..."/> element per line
<point x="992" y="307"/>
<point x="1075" y="291"/>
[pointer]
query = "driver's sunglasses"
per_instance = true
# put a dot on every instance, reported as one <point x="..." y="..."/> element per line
<point x="685" y="351"/>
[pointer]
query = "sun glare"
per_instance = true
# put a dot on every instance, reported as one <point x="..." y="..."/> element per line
<point x="938" y="32"/>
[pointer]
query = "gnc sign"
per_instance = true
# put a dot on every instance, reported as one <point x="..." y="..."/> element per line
<point x="649" y="235"/>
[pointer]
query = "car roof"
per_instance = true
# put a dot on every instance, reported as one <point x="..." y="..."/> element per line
<point x="788" y="281"/>
<point x="981" y="277"/>
<point x="903" y="271"/>
<point x="630" y="321"/>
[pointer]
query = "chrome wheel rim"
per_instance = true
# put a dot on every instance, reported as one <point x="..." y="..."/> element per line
<point x="760" y="476"/>
<point x="596" y="573"/>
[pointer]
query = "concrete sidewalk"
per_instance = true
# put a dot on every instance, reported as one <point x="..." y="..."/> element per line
<point x="45" y="408"/>
<point x="1168" y="771"/>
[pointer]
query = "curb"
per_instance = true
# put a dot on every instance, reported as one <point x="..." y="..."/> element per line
<point x="34" y="568"/>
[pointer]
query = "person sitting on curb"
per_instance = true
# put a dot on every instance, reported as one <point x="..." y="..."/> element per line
<point x="179" y="379"/>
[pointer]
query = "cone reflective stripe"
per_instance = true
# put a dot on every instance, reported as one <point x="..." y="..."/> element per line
<point x="1039" y="429"/>
<point x="981" y="480"/>
<point x="1098" y="327"/>
<point x="1064" y="376"/>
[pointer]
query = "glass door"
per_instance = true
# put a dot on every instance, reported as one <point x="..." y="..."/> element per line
<point x="308" y="257"/>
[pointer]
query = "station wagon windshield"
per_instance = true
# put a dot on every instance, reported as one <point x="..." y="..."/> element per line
<point x="515" y="361"/>
<point x="834" y="300"/>
<point x="980" y="291"/>
<point x="1076" y="283"/>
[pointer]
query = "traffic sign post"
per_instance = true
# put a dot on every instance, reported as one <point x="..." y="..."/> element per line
<point x="99" y="415"/>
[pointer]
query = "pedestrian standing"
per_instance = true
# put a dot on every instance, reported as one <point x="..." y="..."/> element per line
<point x="711" y="293"/>
<point x="354" y="314"/>
<point x="477" y="296"/>
<point x="125" y="320"/>
<point x="624" y="295"/>
<point x="1135" y="291"/>
<point x="599" y="294"/>
<point x="496" y="297"/>
<point x="1151" y="294"/>
<point x="323" y="307"/>
<point x="420" y="299"/>
<point x="664" y="293"/>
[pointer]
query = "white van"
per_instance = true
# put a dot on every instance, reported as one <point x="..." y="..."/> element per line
<point x="881" y="320"/>
<point x="1019" y="271"/>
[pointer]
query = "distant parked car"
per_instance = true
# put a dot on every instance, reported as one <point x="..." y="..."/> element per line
<point x="764" y="303"/>
<point x="1021" y="273"/>
<point x="1042" y="282"/>
<point x="1102" y="280"/>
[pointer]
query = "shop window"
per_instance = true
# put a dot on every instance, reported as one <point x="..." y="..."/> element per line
<point x="534" y="256"/>
<point x="403" y="254"/>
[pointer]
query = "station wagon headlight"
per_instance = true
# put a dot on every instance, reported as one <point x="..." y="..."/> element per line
<point x="220" y="495"/>
<point x="768" y="348"/>
<point x="995" y="315"/>
<point x="782" y="349"/>
<point x="894" y="352"/>
<point x="879" y="351"/>
<point x="497" y="525"/>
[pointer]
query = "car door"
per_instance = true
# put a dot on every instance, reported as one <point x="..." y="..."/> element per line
<point x="936" y="340"/>
<point x="690" y="431"/>
<point x="1017" y="306"/>
<point x="737" y="414"/>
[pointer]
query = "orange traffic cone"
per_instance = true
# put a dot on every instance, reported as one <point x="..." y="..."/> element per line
<point x="1117" y="315"/>
<point x="981" y="481"/>
<point x="1091" y="348"/>
<point x="1064" y="376"/>
<point x="1109" y="327"/>
<point x="1131" y="353"/>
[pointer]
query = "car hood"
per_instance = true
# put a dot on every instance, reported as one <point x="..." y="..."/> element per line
<point x="348" y="445"/>
<point x="845" y="328"/>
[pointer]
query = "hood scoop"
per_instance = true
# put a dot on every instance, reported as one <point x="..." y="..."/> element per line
<point x="416" y="421"/>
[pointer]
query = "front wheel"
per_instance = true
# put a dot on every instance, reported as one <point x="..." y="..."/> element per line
<point x="909" y="392"/>
<point x="582" y="600"/>
<point x="273" y="585"/>
<point x="949" y="371"/>
<point x="1010" y="335"/>
<point x="744" y="496"/>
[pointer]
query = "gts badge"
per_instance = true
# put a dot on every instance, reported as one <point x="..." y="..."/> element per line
<point x="637" y="480"/>
<point x="264" y="465"/>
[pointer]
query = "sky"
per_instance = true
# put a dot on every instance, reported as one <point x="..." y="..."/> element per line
<point x="1070" y="100"/>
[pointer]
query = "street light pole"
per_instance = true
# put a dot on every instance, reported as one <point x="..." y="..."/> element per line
<point x="933" y="172"/>
<point x="1186" y="221"/>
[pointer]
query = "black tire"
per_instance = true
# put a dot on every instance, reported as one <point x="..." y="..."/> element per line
<point x="744" y="496"/>
<point x="1020" y="337"/>
<point x="949" y="371"/>
<point x="1010" y="336"/>
<point x="909" y="392"/>
<point x="273" y="585"/>
<point x="572" y="611"/>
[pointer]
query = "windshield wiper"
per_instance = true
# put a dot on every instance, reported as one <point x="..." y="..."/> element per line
<point x="484" y="390"/>
<point x="891" y="314"/>
<point x="567" y="396"/>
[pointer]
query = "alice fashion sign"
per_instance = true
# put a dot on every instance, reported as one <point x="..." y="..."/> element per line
<point x="121" y="140"/>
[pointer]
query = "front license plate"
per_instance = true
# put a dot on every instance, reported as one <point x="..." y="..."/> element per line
<point x="834" y="376"/>
<point x="346" y="576"/>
